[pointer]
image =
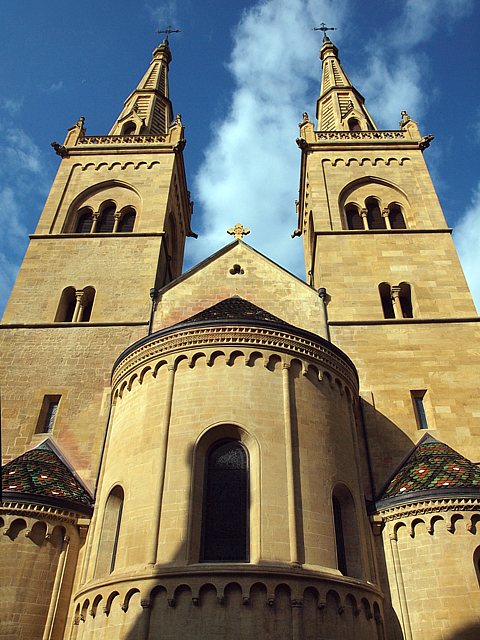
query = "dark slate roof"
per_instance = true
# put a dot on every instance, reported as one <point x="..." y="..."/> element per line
<point x="234" y="308"/>
<point x="40" y="476"/>
<point x="432" y="468"/>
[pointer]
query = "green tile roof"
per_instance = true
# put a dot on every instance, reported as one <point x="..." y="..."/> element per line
<point x="432" y="468"/>
<point x="40" y="476"/>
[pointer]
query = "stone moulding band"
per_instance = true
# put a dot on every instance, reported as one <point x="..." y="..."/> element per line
<point x="361" y="135"/>
<point x="41" y="511"/>
<point x="101" y="140"/>
<point x="273" y="340"/>
<point x="425" y="507"/>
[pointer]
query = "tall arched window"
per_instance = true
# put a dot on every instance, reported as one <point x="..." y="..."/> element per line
<point x="346" y="533"/>
<point x="109" y="535"/>
<point x="66" y="306"/>
<point x="106" y="221"/>
<point x="385" y="291"/>
<point x="354" y="219"/>
<point x="225" y="507"/>
<point x="127" y="222"/>
<point x="84" y="221"/>
<point x="405" y="298"/>
<point x="476" y="562"/>
<point x="87" y="304"/>
<point x="397" y="221"/>
<point x="374" y="215"/>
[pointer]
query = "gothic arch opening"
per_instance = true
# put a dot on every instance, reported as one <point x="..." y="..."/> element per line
<point x="106" y="219"/>
<point x="84" y="221"/>
<point x="385" y="291"/>
<point x="353" y="217"/>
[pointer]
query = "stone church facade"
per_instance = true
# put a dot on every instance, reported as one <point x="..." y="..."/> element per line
<point x="232" y="452"/>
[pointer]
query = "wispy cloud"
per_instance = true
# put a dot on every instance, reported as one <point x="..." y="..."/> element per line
<point x="55" y="87"/>
<point x="164" y="13"/>
<point x="250" y="170"/>
<point x="11" y="105"/>
<point x="393" y="73"/>
<point x="23" y="180"/>
<point x="467" y="241"/>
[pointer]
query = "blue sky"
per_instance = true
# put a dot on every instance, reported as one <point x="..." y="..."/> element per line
<point x="242" y="75"/>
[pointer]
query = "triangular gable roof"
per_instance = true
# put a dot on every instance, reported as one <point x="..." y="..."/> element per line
<point x="432" y="469"/>
<point x="225" y="249"/>
<point x="42" y="476"/>
<point x="234" y="308"/>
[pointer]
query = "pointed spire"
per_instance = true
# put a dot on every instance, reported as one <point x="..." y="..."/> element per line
<point x="340" y="106"/>
<point x="147" y="109"/>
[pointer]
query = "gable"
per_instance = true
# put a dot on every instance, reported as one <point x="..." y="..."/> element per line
<point x="239" y="270"/>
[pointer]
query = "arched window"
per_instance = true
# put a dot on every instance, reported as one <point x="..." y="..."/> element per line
<point x="374" y="215"/>
<point x="476" y="562"/>
<point x="84" y="221"/>
<point x="66" y="306"/>
<point x="354" y="125"/>
<point x="397" y="221"/>
<point x="127" y="222"/>
<point x="225" y="505"/>
<point x="354" y="219"/>
<point x="108" y="545"/>
<point x="405" y="298"/>
<point x="106" y="221"/>
<point x="86" y="304"/>
<point x="347" y="539"/>
<point x="385" y="292"/>
<point x="129" y="128"/>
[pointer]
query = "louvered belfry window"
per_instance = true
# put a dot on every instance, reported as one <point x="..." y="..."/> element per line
<point x="225" y="509"/>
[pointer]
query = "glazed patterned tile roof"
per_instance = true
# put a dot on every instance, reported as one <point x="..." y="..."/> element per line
<point x="434" y="468"/>
<point x="40" y="475"/>
<point x="234" y="308"/>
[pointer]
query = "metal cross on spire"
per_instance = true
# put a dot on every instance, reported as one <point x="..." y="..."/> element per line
<point x="168" y="30"/>
<point x="323" y="27"/>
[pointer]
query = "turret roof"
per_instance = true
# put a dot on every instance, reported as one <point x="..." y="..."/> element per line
<point x="42" y="477"/>
<point x="432" y="469"/>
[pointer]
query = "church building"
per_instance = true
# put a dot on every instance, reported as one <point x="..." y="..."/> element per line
<point x="233" y="452"/>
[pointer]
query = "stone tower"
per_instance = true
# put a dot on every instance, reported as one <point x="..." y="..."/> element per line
<point x="232" y="452"/>
<point x="379" y="251"/>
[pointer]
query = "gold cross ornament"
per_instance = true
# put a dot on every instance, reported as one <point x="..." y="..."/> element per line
<point x="238" y="231"/>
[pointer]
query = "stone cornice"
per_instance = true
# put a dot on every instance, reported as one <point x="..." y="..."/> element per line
<point x="168" y="345"/>
<point x="422" y="507"/>
<point x="42" y="512"/>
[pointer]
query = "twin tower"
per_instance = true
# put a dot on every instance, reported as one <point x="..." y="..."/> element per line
<point x="233" y="452"/>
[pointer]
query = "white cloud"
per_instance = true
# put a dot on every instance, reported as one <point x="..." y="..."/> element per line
<point x="164" y="13"/>
<point x="11" y="105"/>
<point x="251" y="169"/>
<point x="393" y="76"/>
<point x="55" y="87"/>
<point x="467" y="241"/>
<point x="23" y="180"/>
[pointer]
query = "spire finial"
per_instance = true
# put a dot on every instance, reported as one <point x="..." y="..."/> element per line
<point x="167" y="31"/>
<point x="323" y="27"/>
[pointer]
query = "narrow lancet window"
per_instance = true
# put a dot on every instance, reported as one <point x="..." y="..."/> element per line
<point x="397" y="220"/>
<point x="66" y="306"/>
<point x="385" y="292"/>
<point x="84" y="221"/>
<point x="106" y="221"/>
<point x="418" y="398"/>
<point x="405" y="298"/>
<point x="225" y="508"/>
<point x="108" y="546"/>
<point x="374" y="215"/>
<point x="127" y="222"/>
<point x="354" y="219"/>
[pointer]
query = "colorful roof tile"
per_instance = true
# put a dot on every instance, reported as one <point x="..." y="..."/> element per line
<point x="40" y="476"/>
<point x="432" y="468"/>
